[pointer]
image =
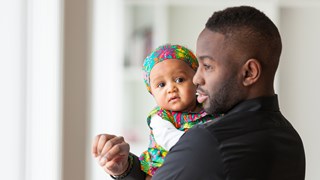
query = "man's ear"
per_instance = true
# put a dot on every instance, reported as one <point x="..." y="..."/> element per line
<point x="251" y="72"/>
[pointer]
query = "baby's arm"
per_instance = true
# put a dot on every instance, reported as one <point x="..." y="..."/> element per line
<point x="165" y="133"/>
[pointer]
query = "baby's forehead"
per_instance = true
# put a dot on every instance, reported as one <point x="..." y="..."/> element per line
<point x="162" y="73"/>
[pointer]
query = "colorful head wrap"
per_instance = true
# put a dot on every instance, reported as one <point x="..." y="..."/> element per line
<point x="165" y="52"/>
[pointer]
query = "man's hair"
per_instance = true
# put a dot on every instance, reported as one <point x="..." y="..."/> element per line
<point x="252" y="31"/>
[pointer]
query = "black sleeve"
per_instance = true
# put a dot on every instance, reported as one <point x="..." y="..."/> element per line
<point x="136" y="173"/>
<point x="195" y="156"/>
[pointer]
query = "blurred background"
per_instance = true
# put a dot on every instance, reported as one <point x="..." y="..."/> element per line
<point x="70" y="69"/>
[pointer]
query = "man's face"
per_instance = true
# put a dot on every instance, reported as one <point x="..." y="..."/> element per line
<point x="217" y="78"/>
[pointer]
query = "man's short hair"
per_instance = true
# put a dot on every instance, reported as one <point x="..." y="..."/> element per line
<point x="251" y="30"/>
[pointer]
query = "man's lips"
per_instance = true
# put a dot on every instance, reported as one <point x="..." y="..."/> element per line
<point x="201" y="97"/>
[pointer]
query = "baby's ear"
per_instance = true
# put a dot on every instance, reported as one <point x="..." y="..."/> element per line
<point x="251" y="72"/>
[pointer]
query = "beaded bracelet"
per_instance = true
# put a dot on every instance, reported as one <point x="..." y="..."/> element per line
<point x="123" y="175"/>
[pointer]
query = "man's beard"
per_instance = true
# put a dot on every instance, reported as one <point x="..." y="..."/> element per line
<point x="227" y="96"/>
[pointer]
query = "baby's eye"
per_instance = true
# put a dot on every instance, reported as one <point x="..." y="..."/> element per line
<point x="206" y="66"/>
<point x="161" y="85"/>
<point x="179" y="80"/>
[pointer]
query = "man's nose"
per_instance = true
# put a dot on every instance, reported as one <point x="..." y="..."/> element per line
<point x="197" y="79"/>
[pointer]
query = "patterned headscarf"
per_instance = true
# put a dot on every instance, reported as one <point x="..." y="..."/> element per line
<point x="165" y="52"/>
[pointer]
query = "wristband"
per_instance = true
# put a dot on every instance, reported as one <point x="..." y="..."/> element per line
<point x="127" y="171"/>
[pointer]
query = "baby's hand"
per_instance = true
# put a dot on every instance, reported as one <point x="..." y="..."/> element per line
<point x="112" y="153"/>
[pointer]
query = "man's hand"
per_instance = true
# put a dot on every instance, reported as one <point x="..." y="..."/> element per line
<point x="112" y="153"/>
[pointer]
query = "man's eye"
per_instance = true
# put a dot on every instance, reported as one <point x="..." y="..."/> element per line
<point x="179" y="80"/>
<point x="161" y="85"/>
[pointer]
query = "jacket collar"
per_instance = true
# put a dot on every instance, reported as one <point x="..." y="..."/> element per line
<point x="269" y="103"/>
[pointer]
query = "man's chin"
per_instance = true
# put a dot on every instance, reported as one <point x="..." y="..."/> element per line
<point x="206" y="107"/>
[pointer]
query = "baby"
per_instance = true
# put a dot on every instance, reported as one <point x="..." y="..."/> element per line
<point x="168" y="73"/>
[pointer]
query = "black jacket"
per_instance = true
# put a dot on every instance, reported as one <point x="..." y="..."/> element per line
<point x="253" y="141"/>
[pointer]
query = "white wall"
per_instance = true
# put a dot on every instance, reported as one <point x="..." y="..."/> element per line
<point x="12" y="93"/>
<point x="299" y="78"/>
<point x="30" y="89"/>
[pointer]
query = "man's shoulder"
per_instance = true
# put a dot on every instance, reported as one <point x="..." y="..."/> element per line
<point x="240" y="123"/>
<point x="252" y="127"/>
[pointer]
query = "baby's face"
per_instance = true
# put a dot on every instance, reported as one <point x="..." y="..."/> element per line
<point x="172" y="87"/>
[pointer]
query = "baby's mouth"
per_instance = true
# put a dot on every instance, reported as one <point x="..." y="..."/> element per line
<point x="174" y="99"/>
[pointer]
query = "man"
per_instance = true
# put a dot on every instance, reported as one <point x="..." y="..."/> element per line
<point x="238" y="53"/>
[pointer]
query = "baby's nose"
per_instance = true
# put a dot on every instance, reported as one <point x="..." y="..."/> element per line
<point x="172" y="88"/>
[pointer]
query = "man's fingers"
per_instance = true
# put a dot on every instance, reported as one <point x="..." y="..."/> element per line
<point x="95" y="145"/>
<point x="99" y="143"/>
<point x="110" y="144"/>
<point x="120" y="150"/>
<point x="117" y="153"/>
